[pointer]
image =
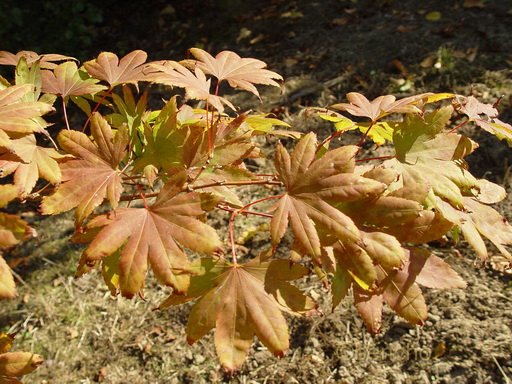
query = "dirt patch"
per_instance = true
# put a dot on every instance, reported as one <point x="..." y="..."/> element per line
<point x="324" y="49"/>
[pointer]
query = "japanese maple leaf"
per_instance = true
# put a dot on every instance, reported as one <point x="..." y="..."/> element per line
<point x="109" y="68"/>
<point x="430" y="157"/>
<point x="8" y="192"/>
<point x="67" y="80"/>
<point x="29" y="162"/>
<point x="399" y="288"/>
<point x="359" y="105"/>
<point x="485" y="116"/>
<point x="239" y="72"/>
<point x="13" y="230"/>
<point x="478" y="220"/>
<point x="16" y="364"/>
<point x="46" y="61"/>
<point x="7" y="286"/>
<point x="241" y="301"/>
<point x="93" y="175"/>
<point x="151" y="235"/>
<point x="17" y="116"/>
<point x="196" y="85"/>
<point x="311" y="186"/>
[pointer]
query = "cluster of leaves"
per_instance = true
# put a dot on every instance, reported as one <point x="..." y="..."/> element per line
<point x="142" y="181"/>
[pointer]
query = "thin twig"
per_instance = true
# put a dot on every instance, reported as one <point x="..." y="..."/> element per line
<point x="507" y="380"/>
<point x="65" y="114"/>
<point x="96" y="107"/>
<point x="375" y="158"/>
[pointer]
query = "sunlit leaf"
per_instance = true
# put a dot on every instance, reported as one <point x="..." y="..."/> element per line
<point x="108" y="67"/>
<point x="239" y="72"/>
<point x="196" y="85"/>
<point x="13" y="230"/>
<point x="29" y="162"/>
<point x="94" y="174"/>
<point x="18" y="116"/>
<point x="151" y="235"/>
<point x="235" y="300"/>
<point x="311" y="186"/>
<point x="359" y="105"/>
<point x="47" y="61"/>
<point x="7" y="291"/>
<point x="18" y="363"/>
<point x="67" y="80"/>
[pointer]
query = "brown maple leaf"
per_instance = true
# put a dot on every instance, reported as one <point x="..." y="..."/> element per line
<point x="29" y="162"/>
<point x="196" y="85"/>
<point x="93" y="175"/>
<point x="151" y="235"/>
<point x="7" y="286"/>
<point x="46" y="61"/>
<point x="67" y="80"/>
<point x="18" y="116"/>
<point x="311" y="186"/>
<point x="239" y="72"/>
<point x="241" y="301"/>
<point x="359" y="105"/>
<point x="108" y="67"/>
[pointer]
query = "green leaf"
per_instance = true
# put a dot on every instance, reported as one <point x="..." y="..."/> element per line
<point x="26" y="74"/>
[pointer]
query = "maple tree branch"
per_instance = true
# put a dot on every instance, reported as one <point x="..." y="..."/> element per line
<point x="189" y="188"/>
<point x="329" y="138"/>
<point x="235" y="183"/>
<point x="96" y="107"/>
<point x="229" y="209"/>
<point x="365" y="135"/>
<point x="232" y="236"/>
<point x="376" y="158"/>
<point x="459" y="126"/>
<point x="65" y="114"/>
<point x="235" y="213"/>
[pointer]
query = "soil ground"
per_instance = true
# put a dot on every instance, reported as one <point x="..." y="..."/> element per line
<point x="323" y="49"/>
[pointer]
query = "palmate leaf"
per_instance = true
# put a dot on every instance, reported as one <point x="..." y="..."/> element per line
<point x="108" y="67"/>
<point x="8" y="192"/>
<point x="479" y="220"/>
<point x="398" y="287"/>
<point x="29" y="162"/>
<point x="67" y="80"/>
<point x="380" y="132"/>
<point x="15" y="364"/>
<point x="46" y="61"/>
<point x="94" y="174"/>
<point x="430" y="157"/>
<point x="311" y="186"/>
<point x="151" y="235"/>
<point x="241" y="301"/>
<point x="18" y="116"/>
<point x="7" y="286"/>
<point x="13" y="230"/>
<point x="197" y="87"/>
<point x="359" y="105"/>
<point x="239" y="72"/>
<point x="485" y="116"/>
